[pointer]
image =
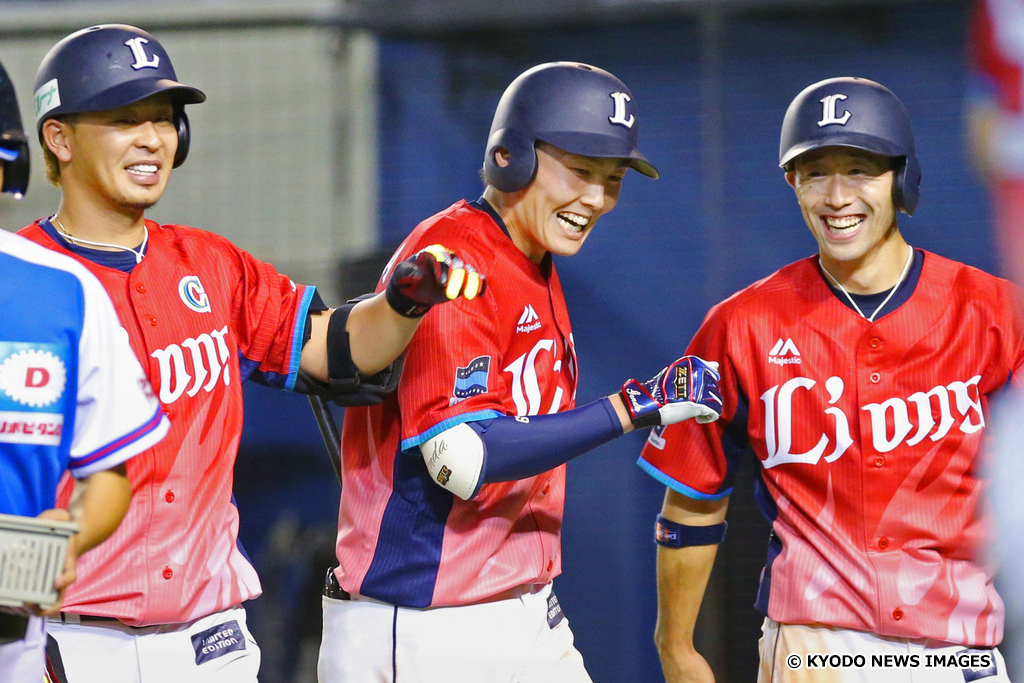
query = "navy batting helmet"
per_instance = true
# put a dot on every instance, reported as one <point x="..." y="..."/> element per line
<point x="13" y="144"/>
<point x="575" y="107"/>
<point x="857" y="113"/>
<point x="106" y="67"/>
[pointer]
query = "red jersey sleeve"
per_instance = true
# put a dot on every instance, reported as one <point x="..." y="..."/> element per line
<point x="450" y="374"/>
<point x="694" y="459"/>
<point x="269" y="316"/>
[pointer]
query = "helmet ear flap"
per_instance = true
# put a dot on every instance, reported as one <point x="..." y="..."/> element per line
<point x="522" y="163"/>
<point x="907" y="185"/>
<point x="184" y="135"/>
<point x="16" y="172"/>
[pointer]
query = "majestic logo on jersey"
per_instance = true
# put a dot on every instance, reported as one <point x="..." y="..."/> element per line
<point x="924" y="414"/>
<point x="142" y="60"/>
<point x="528" y="321"/>
<point x="47" y="97"/>
<point x="194" y="365"/>
<point x="191" y="291"/>
<point x="784" y="353"/>
<point x="619" y="117"/>
<point x="828" y="111"/>
<point x="472" y="379"/>
<point x="33" y="378"/>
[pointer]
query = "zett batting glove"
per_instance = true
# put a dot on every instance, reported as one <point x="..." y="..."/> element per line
<point x="431" y="276"/>
<point x="686" y="388"/>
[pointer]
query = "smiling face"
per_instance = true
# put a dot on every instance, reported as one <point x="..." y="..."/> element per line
<point x="846" y="197"/>
<point x="119" y="159"/>
<point x="557" y="211"/>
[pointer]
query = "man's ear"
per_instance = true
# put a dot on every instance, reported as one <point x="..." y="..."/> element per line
<point x="791" y="178"/>
<point x="502" y="157"/>
<point x="55" y="136"/>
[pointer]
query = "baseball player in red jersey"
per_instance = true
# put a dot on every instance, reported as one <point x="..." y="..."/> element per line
<point x="995" y="121"/>
<point x="861" y="379"/>
<point x="450" y="521"/>
<point x="161" y="599"/>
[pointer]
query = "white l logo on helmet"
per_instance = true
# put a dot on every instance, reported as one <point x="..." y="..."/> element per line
<point x="142" y="60"/>
<point x="828" y="111"/>
<point x="619" y="116"/>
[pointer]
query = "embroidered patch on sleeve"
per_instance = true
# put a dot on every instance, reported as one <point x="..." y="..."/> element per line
<point x="472" y="379"/>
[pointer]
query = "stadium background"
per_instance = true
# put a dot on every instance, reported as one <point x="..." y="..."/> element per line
<point x="332" y="128"/>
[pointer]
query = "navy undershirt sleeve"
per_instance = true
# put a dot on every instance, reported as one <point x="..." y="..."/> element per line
<point x="517" y="450"/>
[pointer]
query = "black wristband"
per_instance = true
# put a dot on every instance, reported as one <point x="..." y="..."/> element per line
<point x="402" y="304"/>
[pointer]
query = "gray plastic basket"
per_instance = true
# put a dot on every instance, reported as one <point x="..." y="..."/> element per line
<point x="32" y="555"/>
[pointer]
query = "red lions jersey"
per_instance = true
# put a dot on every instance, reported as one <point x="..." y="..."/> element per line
<point x="202" y="316"/>
<point x="402" y="538"/>
<point x="996" y="49"/>
<point x="996" y="58"/>
<point x="868" y="436"/>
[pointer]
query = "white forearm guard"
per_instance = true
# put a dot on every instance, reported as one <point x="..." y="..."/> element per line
<point x="455" y="460"/>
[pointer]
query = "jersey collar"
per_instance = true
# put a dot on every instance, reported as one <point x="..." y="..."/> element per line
<point x="869" y="302"/>
<point x="118" y="260"/>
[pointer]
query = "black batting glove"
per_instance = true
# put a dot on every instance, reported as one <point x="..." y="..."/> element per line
<point x="431" y="276"/>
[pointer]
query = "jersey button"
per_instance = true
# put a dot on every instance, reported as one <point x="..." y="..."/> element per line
<point x="168" y="572"/>
<point x="897" y="614"/>
<point x="551" y="563"/>
<point x="140" y="288"/>
<point x="152" y="320"/>
<point x="879" y="461"/>
<point x="883" y="543"/>
<point x="875" y="342"/>
<point x="547" y="488"/>
<point x="875" y="377"/>
<point x="169" y="496"/>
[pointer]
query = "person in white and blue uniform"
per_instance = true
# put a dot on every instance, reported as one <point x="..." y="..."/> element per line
<point x="73" y="399"/>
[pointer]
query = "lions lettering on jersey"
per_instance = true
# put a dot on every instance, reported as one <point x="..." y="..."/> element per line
<point x="33" y="378"/>
<point x="526" y="392"/>
<point x="208" y="359"/>
<point x="892" y="420"/>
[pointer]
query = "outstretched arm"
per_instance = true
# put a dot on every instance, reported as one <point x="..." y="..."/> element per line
<point x="683" y="572"/>
<point x="377" y="330"/>
<point x="466" y="456"/>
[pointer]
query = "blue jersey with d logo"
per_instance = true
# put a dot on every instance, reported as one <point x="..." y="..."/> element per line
<point x="41" y="316"/>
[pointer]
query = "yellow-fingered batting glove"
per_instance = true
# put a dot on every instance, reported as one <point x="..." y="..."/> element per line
<point x="431" y="276"/>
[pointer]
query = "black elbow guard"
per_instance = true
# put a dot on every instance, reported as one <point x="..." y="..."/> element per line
<point x="341" y="369"/>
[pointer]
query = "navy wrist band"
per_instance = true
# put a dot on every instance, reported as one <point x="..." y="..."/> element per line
<point x="675" y="535"/>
